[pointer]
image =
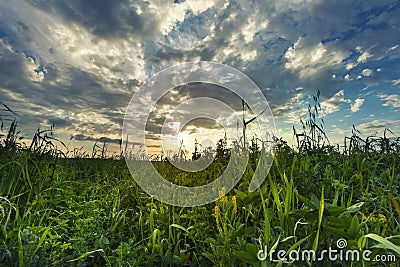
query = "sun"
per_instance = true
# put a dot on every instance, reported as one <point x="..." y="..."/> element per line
<point x="183" y="136"/>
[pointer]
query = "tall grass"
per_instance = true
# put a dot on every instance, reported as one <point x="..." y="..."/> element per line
<point x="61" y="211"/>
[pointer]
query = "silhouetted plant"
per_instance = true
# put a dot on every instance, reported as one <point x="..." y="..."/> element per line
<point x="313" y="134"/>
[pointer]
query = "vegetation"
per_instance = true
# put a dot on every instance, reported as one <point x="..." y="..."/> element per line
<point x="60" y="211"/>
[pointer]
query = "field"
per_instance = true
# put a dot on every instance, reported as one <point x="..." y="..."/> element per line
<point x="60" y="211"/>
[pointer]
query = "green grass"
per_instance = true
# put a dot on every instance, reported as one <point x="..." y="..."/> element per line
<point x="90" y="212"/>
<point x="58" y="211"/>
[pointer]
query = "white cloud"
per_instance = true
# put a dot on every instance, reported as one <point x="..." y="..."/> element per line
<point x="110" y="61"/>
<point x="240" y="43"/>
<point x="338" y="131"/>
<point x="310" y="60"/>
<point x="293" y="109"/>
<point x="252" y="27"/>
<point x="393" y="47"/>
<point x="377" y="125"/>
<point x="360" y="59"/>
<point x="170" y="16"/>
<point x="396" y="82"/>
<point x="350" y="65"/>
<point x="367" y="72"/>
<point x="391" y="100"/>
<point x="354" y="107"/>
<point x="332" y="104"/>
<point x="363" y="57"/>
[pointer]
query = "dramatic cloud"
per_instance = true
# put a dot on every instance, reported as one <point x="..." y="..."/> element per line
<point x="77" y="63"/>
<point x="357" y="105"/>
<point x="333" y="104"/>
<point x="378" y="125"/>
<point x="311" y="61"/>
<point x="81" y="137"/>
<point x="391" y="100"/>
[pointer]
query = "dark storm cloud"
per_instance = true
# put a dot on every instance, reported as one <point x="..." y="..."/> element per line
<point x="81" y="137"/>
<point x="59" y="123"/>
<point x="12" y="65"/>
<point x="82" y="91"/>
<point x="106" y="18"/>
<point x="178" y="95"/>
<point x="204" y="123"/>
<point x="86" y="90"/>
<point x="200" y="89"/>
<point x="61" y="88"/>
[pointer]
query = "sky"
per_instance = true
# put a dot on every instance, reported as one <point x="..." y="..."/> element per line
<point x="76" y="64"/>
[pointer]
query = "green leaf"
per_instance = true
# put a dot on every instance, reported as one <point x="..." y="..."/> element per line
<point x="297" y="244"/>
<point x="239" y="231"/>
<point x="277" y="201"/>
<point x="307" y="202"/>
<point x="315" y="201"/>
<point x="248" y="256"/>
<point x="316" y="241"/>
<point x="354" y="227"/>
<point x="320" y="215"/>
<point x="20" y="250"/>
<point x="394" y="239"/>
<point x="240" y="194"/>
<point x="84" y="255"/>
<point x="336" y="231"/>
<point x="253" y="249"/>
<point x="334" y="210"/>
<point x="209" y="256"/>
<point x="42" y="238"/>
<point x="180" y="227"/>
<point x="245" y="256"/>
<point x="384" y="243"/>
<point x="354" y="208"/>
<point x="267" y="226"/>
